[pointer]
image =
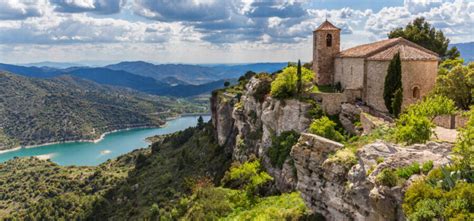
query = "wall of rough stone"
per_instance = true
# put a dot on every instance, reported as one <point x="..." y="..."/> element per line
<point x="331" y="102"/>
<point x="349" y="72"/>
<point x="421" y="74"/>
<point x="323" y="56"/>
<point x="376" y="72"/>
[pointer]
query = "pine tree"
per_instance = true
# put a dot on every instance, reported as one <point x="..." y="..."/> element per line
<point x="299" y="85"/>
<point x="200" y="123"/>
<point x="393" y="82"/>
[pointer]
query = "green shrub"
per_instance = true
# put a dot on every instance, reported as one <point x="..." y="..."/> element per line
<point x="281" y="147"/>
<point x="326" y="128"/>
<point x="415" y="124"/>
<point x="316" y="111"/>
<point x="423" y="201"/>
<point x="248" y="176"/>
<point x="412" y="129"/>
<point x="407" y="171"/>
<point x="427" y="166"/>
<point x="263" y="87"/>
<point x="345" y="156"/>
<point x="464" y="149"/>
<point x="387" y="177"/>
<point x="379" y="160"/>
<point x="285" y="84"/>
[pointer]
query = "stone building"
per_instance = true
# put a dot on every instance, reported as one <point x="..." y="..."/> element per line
<point x="361" y="70"/>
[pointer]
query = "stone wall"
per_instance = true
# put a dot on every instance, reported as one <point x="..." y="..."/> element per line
<point x="420" y="74"/>
<point x="373" y="96"/>
<point x="323" y="56"/>
<point x="331" y="102"/>
<point x="349" y="72"/>
<point x="451" y="121"/>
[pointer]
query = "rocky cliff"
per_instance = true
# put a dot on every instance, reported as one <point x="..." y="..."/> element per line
<point x="341" y="193"/>
<point x="245" y="125"/>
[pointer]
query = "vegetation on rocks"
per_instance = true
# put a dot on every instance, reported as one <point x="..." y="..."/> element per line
<point x="281" y="147"/>
<point x="447" y="193"/>
<point x="326" y="128"/>
<point x="415" y="123"/>
<point x="286" y="83"/>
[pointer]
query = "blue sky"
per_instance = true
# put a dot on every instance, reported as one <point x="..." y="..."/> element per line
<point x="206" y="31"/>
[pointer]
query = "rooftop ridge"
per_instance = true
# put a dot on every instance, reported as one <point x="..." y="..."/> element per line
<point x="326" y="25"/>
<point x="374" y="48"/>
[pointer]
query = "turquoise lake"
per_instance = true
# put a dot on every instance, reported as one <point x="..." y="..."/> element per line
<point x="113" y="145"/>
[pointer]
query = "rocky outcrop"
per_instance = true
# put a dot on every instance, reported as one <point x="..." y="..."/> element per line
<point x="338" y="188"/>
<point x="339" y="194"/>
<point x="247" y="126"/>
<point x="349" y="116"/>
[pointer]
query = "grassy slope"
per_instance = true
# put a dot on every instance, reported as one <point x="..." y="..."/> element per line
<point x="121" y="189"/>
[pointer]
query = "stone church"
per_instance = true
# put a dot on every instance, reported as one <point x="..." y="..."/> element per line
<point x="361" y="70"/>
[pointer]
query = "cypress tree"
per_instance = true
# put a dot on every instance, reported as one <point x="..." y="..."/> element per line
<point x="393" y="82"/>
<point x="397" y="102"/>
<point x="299" y="81"/>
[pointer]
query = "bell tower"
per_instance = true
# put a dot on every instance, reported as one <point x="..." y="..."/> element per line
<point x="326" y="45"/>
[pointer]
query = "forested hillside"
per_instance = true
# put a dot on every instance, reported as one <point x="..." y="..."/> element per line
<point x="35" y="111"/>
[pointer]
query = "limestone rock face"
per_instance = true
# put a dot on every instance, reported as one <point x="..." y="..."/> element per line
<point x="254" y="124"/>
<point x="348" y="116"/>
<point x="339" y="194"/>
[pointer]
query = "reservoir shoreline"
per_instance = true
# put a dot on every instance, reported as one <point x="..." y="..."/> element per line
<point x="102" y="136"/>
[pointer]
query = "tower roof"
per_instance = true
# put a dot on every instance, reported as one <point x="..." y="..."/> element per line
<point x="327" y="26"/>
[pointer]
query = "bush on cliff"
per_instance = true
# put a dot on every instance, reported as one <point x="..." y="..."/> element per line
<point x="263" y="87"/>
<point x="281" y="147"/>
<point x="326" y="128"/>
<point x="447" y="193"/>
<point x="285" y="84"/>
<point x="233" y="201"/>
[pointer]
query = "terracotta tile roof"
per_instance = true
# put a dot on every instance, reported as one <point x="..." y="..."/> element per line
<point x="327" y="26"/>
<point x="386" y="49"/>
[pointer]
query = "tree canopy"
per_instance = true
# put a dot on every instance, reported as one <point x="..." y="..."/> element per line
<point x="421" y="32"/>
<point x="456" y="81"/>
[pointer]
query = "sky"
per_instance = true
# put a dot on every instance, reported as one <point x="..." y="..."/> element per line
<point x="206" y="31"/>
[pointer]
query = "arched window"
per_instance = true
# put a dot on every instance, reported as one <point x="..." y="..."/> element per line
<point x="329" y="40"/>
<point x="416" y="92"/>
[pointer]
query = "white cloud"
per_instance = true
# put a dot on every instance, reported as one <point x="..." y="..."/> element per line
<point x="95" y="6"/>
<point x="17" y="9"/>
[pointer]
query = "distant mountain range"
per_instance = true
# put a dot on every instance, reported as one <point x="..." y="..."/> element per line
<point x="467" y="50"/>
<point x="168" y="79"/>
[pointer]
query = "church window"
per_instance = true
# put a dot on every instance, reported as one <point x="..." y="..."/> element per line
<point x="416" y="92"/>
<point x="329" y="40"/>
